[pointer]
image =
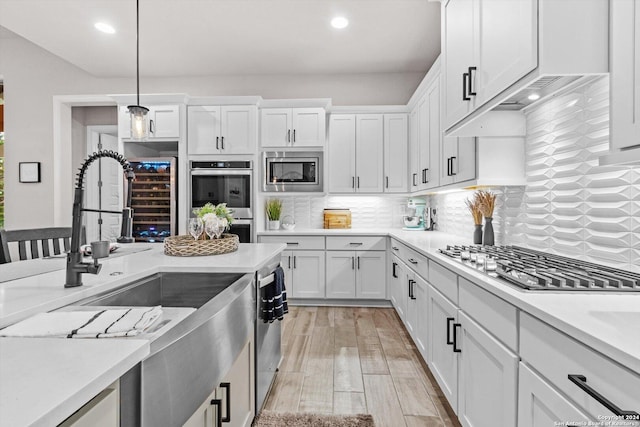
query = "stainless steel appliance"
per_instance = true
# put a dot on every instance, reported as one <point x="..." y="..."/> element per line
<point x="229" y="182"/>
<point x="153" y="198"/>
<point x="267" y="340"/>
<point x="539" y="271"/>
<point x="286" y="171"/>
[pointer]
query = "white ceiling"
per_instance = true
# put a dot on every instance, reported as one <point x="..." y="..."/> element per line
<point x="208" y="37"/>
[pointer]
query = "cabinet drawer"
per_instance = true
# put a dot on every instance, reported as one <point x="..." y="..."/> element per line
<point x="444" y="280"/>
<point x="556" y="356"/>
<point x="491" y="312"/>
<point x="399" y="250"/>
<point x="359" y="243"/>
<point x="417" y="262"/>
<point x="296" y="242"/>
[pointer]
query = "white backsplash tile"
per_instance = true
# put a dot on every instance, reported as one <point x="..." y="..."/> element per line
<point x="570" y="205"/>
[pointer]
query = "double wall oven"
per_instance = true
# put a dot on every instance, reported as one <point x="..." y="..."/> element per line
<point x="229" y="182"/>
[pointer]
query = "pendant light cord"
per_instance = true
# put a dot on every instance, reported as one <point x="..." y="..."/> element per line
<point x="138" y="51"/>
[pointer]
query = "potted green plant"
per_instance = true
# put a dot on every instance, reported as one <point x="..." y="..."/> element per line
<point x="273" y="208"/>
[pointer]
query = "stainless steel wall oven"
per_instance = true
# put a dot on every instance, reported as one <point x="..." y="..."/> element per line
<point x="229" y="182"/>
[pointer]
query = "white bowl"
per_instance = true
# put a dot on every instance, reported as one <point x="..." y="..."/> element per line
<point x="410" y="221"/>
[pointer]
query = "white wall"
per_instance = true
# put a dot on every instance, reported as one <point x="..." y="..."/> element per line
<point x="32" y="77"/>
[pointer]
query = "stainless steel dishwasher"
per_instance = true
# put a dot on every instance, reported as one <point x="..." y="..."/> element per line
<point x="267" y="339"/>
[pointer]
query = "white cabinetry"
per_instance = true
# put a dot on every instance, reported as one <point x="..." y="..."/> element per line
<point x="293" y="127"/>
<point x="395" y="153"/>
<point x="342" y="153"/>
<point x="369" y="153"/>
<point x="397" y="286"/>
<point x="426" y="138"/>
<point x="458" y="160"/>
<point x="306" y="270"/>
<point x="221" y="129"/>
<point x="356" y="274"/>
<point x="164" y="122"/>
<point x="421" y="300"/>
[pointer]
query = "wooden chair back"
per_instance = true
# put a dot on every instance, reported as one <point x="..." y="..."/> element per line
<point x="35" y="243"/>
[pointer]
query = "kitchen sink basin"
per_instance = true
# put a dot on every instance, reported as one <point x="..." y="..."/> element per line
<point x="168" y="290"/>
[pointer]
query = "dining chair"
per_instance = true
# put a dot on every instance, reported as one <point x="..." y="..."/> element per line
<point x="34" y="243"/>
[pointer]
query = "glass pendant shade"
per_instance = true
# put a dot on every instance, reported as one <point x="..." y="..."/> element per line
<point x="139" y="122"/>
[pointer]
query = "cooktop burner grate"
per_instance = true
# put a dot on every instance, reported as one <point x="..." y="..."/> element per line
<point x="535" y="270"/>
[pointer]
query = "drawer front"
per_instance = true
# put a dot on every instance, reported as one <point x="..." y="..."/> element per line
<point x="417" y="262"/>
<point x="491" y="312"/>
<point x="556" y="356"/>
<point x="444" y="280"/>
<point x="356" y="243"/>
<point x="399" y="250"/>
<point x="296" y="242"/>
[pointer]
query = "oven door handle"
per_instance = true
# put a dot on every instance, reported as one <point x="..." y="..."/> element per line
<point x="220" y="172"/>
<point x="242" y="222"/>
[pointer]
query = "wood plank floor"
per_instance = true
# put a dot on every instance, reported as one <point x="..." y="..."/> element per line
<point x="342" y="360"/>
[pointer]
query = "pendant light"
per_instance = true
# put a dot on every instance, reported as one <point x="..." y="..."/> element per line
<point x="139" y="116"/>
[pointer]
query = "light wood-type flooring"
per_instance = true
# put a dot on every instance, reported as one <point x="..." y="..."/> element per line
<point x="344" y="360"/>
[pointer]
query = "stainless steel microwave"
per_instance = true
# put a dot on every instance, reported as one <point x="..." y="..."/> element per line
<point x="289" y="171"/>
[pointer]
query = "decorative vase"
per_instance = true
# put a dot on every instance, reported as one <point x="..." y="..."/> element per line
<point x="477" y="235"/>
<point x="488" y="232"/>
<point x="274" y="224"/>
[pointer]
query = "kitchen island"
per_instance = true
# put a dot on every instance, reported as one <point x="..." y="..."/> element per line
<point x="45" y="380"/>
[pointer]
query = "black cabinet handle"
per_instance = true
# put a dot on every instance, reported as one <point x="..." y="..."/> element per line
<point x="353" y="182"/>
<point x="423" y="178"/>
<point x="151" y="126"/>
<point x="358" y="263"/>
<point x="218" y="404"/>
<point x="358" y="180"/>
<point x="471" y="70"/>
<point x="448" y="166"/>
<point x="289" y="135"/>
<point x="294" y="261"/>
<point x="413" y="261"/>
<point x="415" y="175"/>
<point x="395" y="248"/>
<point x="289" y="262"/>
<point x="409" y="287"/>
<point x="393" y="270"/>
<point x="217" y="142"/>
<point x="293" y="243"/>
<point x="294" y="134"/>
<point x="455" y="338"/>
<point x="387" y="179"/>
<point x="426" y="180"/>
<point x="355" y="243"/>
<point x="222" y="142"/>
<point x="449" y="320"/>
<point x="465" y="83"/>
<point x="581" y="382"/>
<point x="353" y="267"/>
<point x="411" y="294"/>
<point x="452" y="172"/>
<point x="227" y="387"/>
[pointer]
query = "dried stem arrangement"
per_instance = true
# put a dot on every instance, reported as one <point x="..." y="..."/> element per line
<point x="474" y="208"/>
<point x="486" y="201"/>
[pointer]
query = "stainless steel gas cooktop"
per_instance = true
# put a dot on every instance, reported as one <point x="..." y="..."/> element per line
<point x="540" y="271"/>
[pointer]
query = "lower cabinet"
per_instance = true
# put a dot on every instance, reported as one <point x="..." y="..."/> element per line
<point x="232" y="402"/>
<point x="397" y="286"/>
<point x="356" y="274"/>
<point x="488" y="377"/>
<point x="304" y="273"/>
<point x="421" y="299"/>
<point x="411" y="318"/>
<point x="539" y="404"/>
<point x="101" y="411"/>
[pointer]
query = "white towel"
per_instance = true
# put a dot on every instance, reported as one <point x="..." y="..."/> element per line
<point x="86" y="324"/>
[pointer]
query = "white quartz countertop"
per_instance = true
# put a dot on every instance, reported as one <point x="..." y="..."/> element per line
<point x="328" y="232"/>
<point x="45" y="380"/>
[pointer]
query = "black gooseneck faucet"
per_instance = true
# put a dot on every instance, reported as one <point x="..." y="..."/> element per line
<point x="75" y="266"/>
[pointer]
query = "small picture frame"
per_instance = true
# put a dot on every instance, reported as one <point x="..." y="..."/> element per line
<point x="29" y="172"/>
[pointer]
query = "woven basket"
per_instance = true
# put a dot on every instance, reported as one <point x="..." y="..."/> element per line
<point x="186" y="246"/>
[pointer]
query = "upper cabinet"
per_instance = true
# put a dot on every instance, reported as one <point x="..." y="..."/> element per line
<point x="164" y="122"/>
<point x="221" y="129"/>
<point x="395" y="153"/>
<point x="497" y="51"/>
<point x="293" y="127"/>
<point x="426" y="137"/>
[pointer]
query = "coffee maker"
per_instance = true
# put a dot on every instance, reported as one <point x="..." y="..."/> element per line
<point x="418" y="215"/>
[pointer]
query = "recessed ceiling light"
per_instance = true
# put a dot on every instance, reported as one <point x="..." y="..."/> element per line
<point x="534" y="97"/>
<point x="105" y="28"/>
<point x="339" y="22"/>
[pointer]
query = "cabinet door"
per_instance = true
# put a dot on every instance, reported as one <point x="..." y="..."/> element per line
<point x="124" y="122"/>
<point x="237" y="134"/>
<point x="371" y="274"/>
<point x="459" y="54"/>
<point x="421" y="337"/>
<point x="508" y="45"/>
<point x="395" y="153"/>
<point x="423" y="141"/>
<point x="205" y="415"/>
<point x="236" y="390"/>
<point x="309" y="127"/>
<point x="369" y="153"/>
<point x="411" y="319"/>
<point x="342" y="153"/>
<point x="488" y="378"/>
<point x="286" y="261"/>
<point x="203" y="129"/>
<point x="443" y="361"/>
<point x="464" y="163"/>
<point x="308" y="274"/>
<point x="164" y="121"/>
<point x="432" y="163"/>
<point x="624" y="60"/>
<point x="397" y="286"/>
<point x="449" y="154"/>
<point x="341" y="274"/>
<point x="539" y="404"/>
<point x="276" y="127"/>
<point x="414" y="150"/>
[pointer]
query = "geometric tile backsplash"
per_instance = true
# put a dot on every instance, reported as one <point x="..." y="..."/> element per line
<point x="570" y="205"/>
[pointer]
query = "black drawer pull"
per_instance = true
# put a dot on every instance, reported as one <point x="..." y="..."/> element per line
<point x="293" y="243"/>
<point x="411" y="290"/>
<point x="413" y="261"/>
<point x="452" y="172"/>
<point x="218" y="404"/>
<point x="393" y="270"/>
<point x="581" y="382"/>
<point x="289" y="135"/>
<point x="217" y="142"/>
<point x="455" y="338"/>
<point x="355" y="243"/>
<point x="449" y="320"/>
<point x="471" y="70"/>
<point x="227" y="387"/>
<point x="222" y="142"/>
<point x="465" y="83"/>
<point x="395" y="248"/>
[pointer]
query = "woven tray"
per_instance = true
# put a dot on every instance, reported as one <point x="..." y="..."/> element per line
<point x="186" y="246"/>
